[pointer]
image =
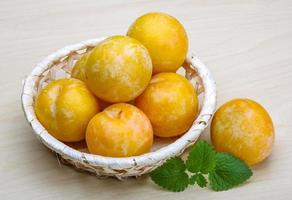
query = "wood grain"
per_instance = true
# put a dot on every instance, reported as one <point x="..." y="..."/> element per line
<point x="246" y="44"/>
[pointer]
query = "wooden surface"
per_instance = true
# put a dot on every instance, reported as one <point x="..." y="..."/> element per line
<point x="246" y="44"/>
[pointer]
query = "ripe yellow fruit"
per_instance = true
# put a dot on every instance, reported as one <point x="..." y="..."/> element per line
<point x="243" y="128"/>
<point x="64" y="107"/>
<point x="164" y="37"/>
<point x="121" y="130"/>
<point x="104" y="104"/>
<point x="171" y="104"/>
<point x="118" y="69"/>
<point x="78" y="70"/>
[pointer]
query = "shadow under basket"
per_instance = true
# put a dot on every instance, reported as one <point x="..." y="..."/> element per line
<point x="59" y="65"/>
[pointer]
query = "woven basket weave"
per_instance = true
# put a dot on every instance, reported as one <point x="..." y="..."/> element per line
<point x="59" y="65"/>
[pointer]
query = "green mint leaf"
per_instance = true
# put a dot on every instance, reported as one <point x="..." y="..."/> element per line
<point x="193" y="179"/>
<point x="229" y="172"/>
<point x="201" y="181"/>
<point x="201" y="158"/>
<point x="171" y="175"/>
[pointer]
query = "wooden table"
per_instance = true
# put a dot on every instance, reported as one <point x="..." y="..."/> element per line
<point x="246" y="44"/>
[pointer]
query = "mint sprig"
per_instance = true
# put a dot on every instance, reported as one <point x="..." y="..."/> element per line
<point x="171" y="175"/>
<point x="230" y="171"/>
<point x="201" y="158"/>
<point x="224" y="170"/>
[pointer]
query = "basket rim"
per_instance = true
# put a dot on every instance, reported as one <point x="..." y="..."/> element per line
<point x="148" y="159"/>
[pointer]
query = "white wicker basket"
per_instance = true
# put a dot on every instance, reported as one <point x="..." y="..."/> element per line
<point x="59" y="65"/>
